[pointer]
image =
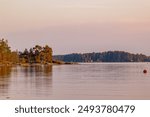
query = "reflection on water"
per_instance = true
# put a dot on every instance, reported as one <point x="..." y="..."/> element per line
<point x="25" y="82"/>
<point x="5" y="73"/>
<point x="37" y="71"/>
<point x="83" y="81"/>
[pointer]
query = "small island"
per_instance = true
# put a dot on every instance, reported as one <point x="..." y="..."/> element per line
<point x="35" y="56"/>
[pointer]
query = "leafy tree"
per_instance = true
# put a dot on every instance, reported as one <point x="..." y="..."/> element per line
<point x="47" y="54"/>
<point x="5" y="52"/>
<point x="14" y="57"/>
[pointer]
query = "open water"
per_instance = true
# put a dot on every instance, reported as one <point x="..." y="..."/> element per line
<point x="82" y="81"/>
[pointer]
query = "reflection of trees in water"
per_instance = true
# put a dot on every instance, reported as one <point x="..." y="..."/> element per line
<point x="5" y="73"/>
<point x="38" y="71"/>
<point x="38" y="80"/>
<point x="33" y="81"/>
<point x="48" y="70"/>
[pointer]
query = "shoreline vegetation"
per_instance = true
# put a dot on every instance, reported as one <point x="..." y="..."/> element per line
<point x="109" y="56"/>
<point x="39" y="56"/>
<point x="35" y="56"/>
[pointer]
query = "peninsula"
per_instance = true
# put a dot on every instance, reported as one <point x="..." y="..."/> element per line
<point x="36" y="55"/>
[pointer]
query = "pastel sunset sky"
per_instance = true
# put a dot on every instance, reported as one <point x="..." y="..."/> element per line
<point x="70" y="26"/>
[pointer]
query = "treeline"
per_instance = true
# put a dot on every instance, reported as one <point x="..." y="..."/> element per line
<point x="6" y="55"/>
<point x="110" y="56"/>
<point x="37" y="54"/>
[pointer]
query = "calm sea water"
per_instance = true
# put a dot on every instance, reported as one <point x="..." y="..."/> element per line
<point x="83" y="81"/>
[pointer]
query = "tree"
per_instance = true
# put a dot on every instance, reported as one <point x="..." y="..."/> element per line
<point x="14" y="57"/>
<point x="47" y="54"/>
<point x="5" y="52"/>
<point x="37" y="50"/>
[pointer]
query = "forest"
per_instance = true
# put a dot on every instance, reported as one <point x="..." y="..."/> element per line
<point x="43" y="55"/>
<point x="36" y="54"/>
<point x="109" y="56"/>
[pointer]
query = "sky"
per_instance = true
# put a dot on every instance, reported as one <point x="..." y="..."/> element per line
<point x="77" y="26"/>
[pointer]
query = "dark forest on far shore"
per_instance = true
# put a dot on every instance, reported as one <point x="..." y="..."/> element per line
<point x="109" y="56"/>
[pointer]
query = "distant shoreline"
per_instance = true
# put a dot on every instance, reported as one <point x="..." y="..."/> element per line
<point x="108" y="56"/>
